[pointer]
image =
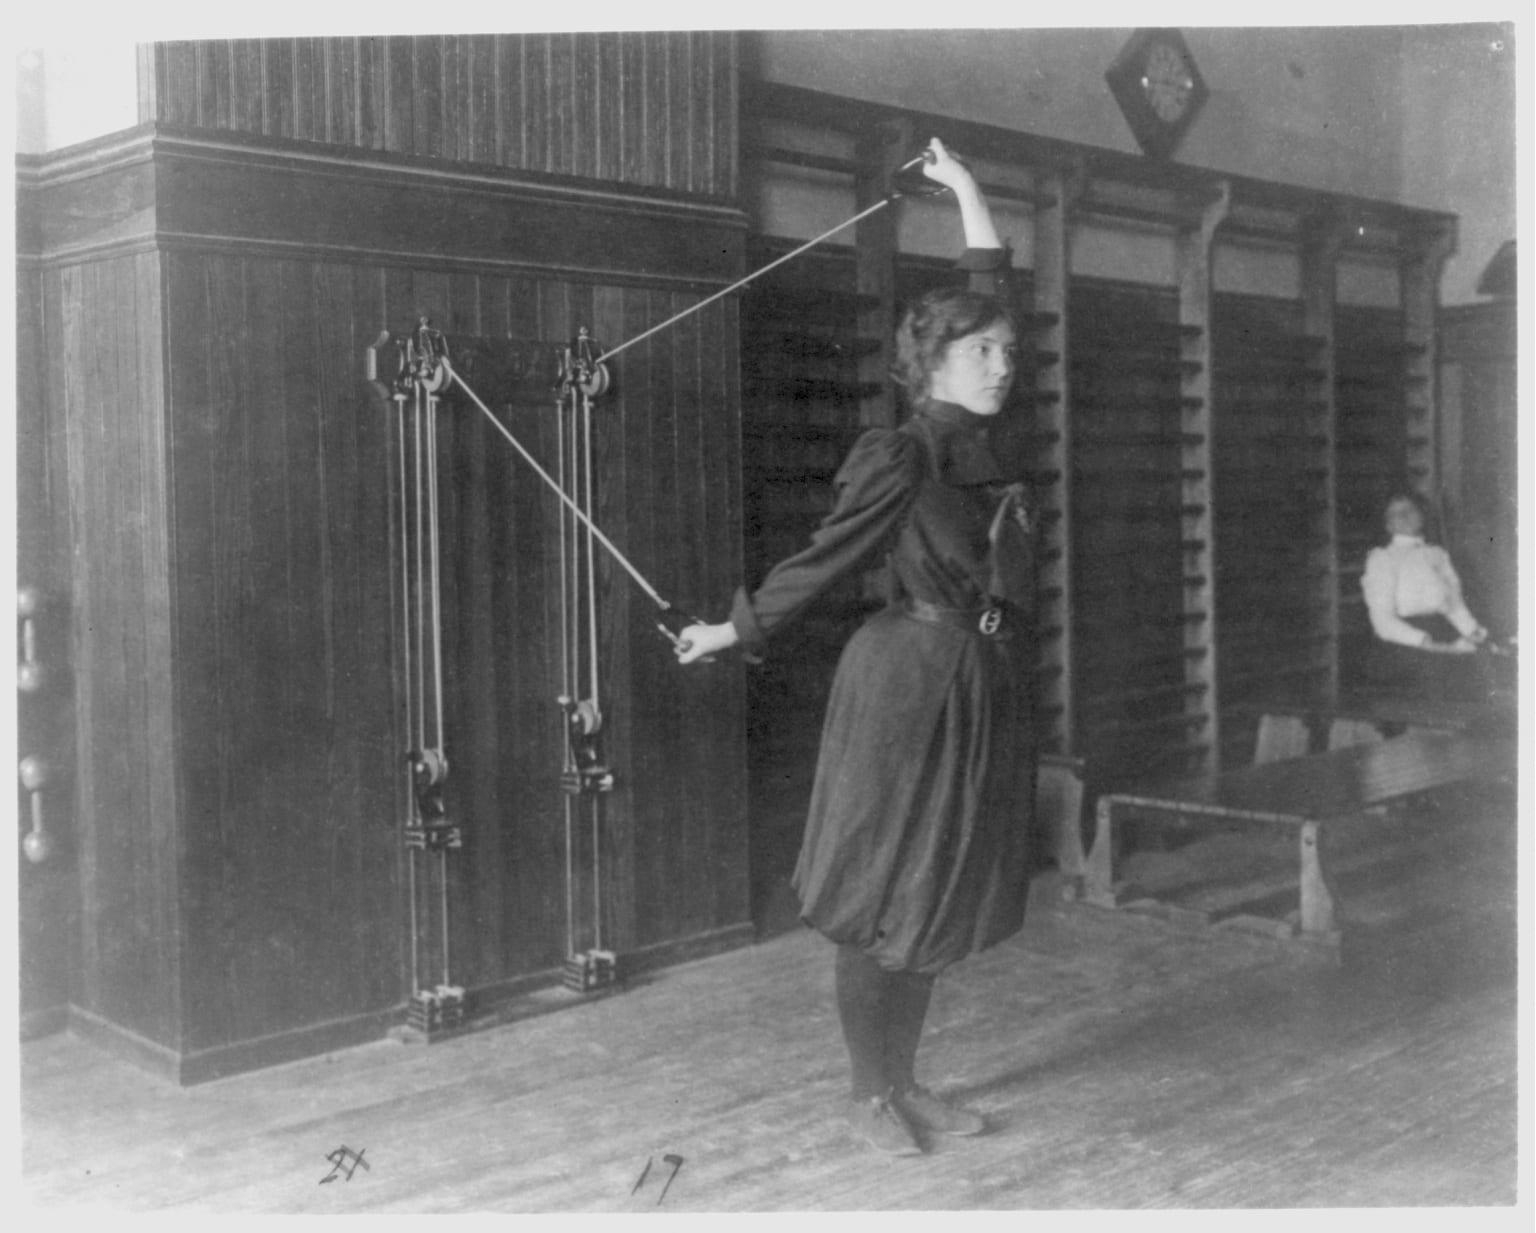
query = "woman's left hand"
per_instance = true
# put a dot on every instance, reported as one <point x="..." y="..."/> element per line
<point x="701" y="641"/>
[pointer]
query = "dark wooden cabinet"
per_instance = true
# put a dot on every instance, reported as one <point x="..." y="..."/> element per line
<point x="219" y="518"/>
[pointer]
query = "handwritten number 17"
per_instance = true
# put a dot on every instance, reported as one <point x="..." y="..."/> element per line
<point x="675" y="1161"/>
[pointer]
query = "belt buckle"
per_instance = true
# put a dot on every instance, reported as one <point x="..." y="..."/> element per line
<point x="991" y="621"/>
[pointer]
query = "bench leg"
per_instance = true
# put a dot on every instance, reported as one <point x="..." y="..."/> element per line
<point x="1098" y="865"/>
<point x="1059" y="804"/>
<point x="1316" y="898"/>
<point x="1280" y="737"/>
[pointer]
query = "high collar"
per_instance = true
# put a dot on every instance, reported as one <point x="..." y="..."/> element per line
<point x="962" y="451"/>
<point x="953" y="415"/>
<point x="1399" y="540"/>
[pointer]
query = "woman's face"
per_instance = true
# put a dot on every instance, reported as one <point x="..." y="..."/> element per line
<point x="977" y="370"/>
<point x="1404" y="518"/>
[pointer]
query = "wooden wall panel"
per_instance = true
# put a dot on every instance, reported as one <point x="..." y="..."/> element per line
<point x="1273" y="517"/>
<point x="282" y="598"/>
<point x="655" y="109"/>
<point x="1372" y="457"/>
<point x="130" y="927"/>
<point x="48" y="890"/>
<point x="230" y="492"/>
<point x="1127" y="606"/>
<point x="1479" y="354"/>
<point x="287" y="469"/>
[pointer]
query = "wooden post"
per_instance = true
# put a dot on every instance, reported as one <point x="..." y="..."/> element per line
<point x="1424" y="253"/>
<point x="1053" y="421"/>
<point x="1317" y="915"/>
<point x="1195" y="236"/>
<point x="877" y="154"/>
<point x="1323" y="238"/>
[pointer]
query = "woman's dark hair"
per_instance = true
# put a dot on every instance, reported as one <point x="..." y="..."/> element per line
<point x="939" y="318"/>
<point x="1406" y="496"/>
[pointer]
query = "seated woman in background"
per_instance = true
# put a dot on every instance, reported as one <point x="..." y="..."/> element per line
<point x="1426" y="637"/>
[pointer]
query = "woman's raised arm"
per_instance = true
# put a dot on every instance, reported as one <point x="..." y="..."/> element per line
<point x="975" y="215"/>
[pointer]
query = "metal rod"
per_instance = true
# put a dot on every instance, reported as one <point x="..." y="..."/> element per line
<point x="597" y="874"/>
<point x="435" y="565"/>
<point x="442" y="875"/>
<point x="571" y="505"/>
<point x="568" y="686"/>
<point x="570" y="878"/>
<point x="410" y="710"/>
<point x="419" y="683"/>
<point x="587" y="502"/>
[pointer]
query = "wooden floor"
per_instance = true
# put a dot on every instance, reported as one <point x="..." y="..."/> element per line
<point x="1124" y="1061"/>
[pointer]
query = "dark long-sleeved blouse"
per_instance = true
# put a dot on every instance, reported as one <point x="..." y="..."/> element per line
<point x="941" y="552"/>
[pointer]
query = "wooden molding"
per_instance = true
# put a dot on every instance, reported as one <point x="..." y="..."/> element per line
<point x="153" y="186"/>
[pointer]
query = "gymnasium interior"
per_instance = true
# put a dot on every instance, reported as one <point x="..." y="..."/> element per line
<point x="383" y="401"/>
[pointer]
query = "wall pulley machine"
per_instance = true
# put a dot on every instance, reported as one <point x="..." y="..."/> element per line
<point x="416" y="380"/>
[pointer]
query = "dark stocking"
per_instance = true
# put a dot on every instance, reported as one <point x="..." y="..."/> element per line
<point x="882" y="1015"/>
<point x="906" y="1006"/>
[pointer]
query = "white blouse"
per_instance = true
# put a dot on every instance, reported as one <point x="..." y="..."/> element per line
<point x="1409" y="578"/>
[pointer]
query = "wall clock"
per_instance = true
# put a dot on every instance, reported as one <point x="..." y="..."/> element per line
<point x="1158" y="87"/>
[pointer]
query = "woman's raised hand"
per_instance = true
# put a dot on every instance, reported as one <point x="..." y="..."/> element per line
<point x="945" y="167"/>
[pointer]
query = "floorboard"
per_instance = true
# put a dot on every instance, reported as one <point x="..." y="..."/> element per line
<point x="1123" y="1061"/>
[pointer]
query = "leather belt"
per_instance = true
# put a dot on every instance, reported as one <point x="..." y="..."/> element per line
<point x="992" y="621"/>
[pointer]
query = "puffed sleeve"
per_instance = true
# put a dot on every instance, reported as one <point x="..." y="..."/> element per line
<point x="1379" y="584"/>
<point x="875" y="488"/>
<point x="990" y="271"/>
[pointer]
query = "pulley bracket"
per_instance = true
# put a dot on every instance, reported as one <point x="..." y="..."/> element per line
<point x="435" y="1011"/>
<point x="590" y="970"/>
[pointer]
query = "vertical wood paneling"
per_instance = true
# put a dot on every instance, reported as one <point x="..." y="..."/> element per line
<point x="372" y="127"/>
<point x="309" y="102"/>
<point x="422" y="97"/>
<point x="632" y="104"/>
<point x="283" y="630"/>
<point x="725" y="174"/>
<point x="129" y="915"/>
<point x="480" y="69"/>
<point x="656" y="130"/>
<point x="535" y="96"/>
<point x="607" y="141"/>
<point x="681" y="130"/>
<point x="457" y="93"/>
<point x="48" y="893"/>
<point x="180" y="82"/>
<point x="248" y="86"/>
<point x="215" y="65"/>
<point x="237" y="642"/>
<point x="560" y="90"/>
<point x="653" y="108"/>
<point x="277" y="77"/>
<point x="342" y="95"/>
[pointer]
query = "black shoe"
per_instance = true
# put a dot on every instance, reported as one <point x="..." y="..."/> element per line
<point x="883" y="1127"/>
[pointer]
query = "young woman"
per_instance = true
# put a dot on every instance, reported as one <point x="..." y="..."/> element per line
<point x="1425" y="635"/>
<point x="917" y="849"/>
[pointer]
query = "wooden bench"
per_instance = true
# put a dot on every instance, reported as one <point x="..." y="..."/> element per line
<point x="1291" y="727"/>
<point x="1303" y="794"/>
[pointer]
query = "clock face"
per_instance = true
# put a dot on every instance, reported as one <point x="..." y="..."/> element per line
<point x="1167" y="81"/>
<point x="1158" y="87"/>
